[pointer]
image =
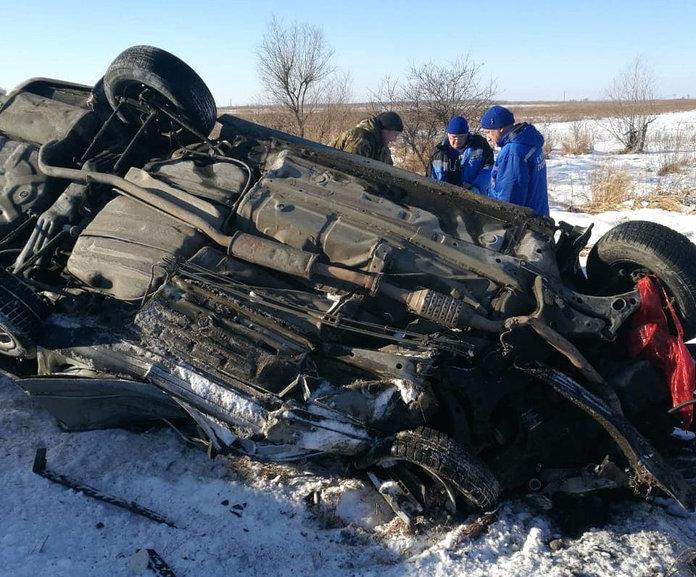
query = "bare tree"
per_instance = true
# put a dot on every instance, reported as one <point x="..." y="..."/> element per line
<point x="429" y="95"/>
<point x="293" y="60"/>
<point x="632" y="93"/>
<point x="333" y="110"/>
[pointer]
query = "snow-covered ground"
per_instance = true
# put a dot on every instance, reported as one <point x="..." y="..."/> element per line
<point x="671" y="137"/>
<point x="238" y="517"/>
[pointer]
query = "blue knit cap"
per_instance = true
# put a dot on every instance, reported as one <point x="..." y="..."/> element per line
<point x="497" y="117"/>
<point x="457" y="125"/>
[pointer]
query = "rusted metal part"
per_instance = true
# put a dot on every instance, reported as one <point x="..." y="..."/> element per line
<point x="441" y="309"/>
<point x="564" y="346"/>
<point x="271" y="254"/>
<point x="428" y="304"/>
<point x="448" y="312"/>
<point x="366" y="281"/>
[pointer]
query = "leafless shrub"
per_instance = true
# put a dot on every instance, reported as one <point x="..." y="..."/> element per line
<point x="610" y="187"/>
<point x="293" y="61"/>
<point x="333" y="113"/>
<point x="632" y="94"/>
<point x="549" y="139"/>
<point x="579" y="139"/>
<point x="428" y="96"/>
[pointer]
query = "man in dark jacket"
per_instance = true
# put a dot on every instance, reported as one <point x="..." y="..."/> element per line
<point x="371" y="137"/>
<point x="461" y="158"/>
<point x="519" y="172"/>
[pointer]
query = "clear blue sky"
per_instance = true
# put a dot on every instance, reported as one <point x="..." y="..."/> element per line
<point x="532" y="50"/>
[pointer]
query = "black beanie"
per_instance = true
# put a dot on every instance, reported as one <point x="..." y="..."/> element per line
<point x="390" y="121"/>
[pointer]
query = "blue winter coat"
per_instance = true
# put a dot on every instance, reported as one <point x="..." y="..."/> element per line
<point x="519" y="173"/>
<point x="468" y="167"/>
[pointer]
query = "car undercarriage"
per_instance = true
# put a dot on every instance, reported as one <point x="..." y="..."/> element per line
<point x="289" y="300"/>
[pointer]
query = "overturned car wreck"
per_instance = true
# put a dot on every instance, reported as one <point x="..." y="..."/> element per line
<point x="295" y="300"/>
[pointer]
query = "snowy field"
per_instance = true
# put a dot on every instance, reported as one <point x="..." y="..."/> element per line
<point x="672" y="137"/>
<point x="237" y="517"/>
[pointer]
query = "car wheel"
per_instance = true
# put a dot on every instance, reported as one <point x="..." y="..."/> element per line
<point x="178" y="86"/>
<point x="442" y="459"/>
<point x="21" y="313"/>
<point x="633" y="248"/>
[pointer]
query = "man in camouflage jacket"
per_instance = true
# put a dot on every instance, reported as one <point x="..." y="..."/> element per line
<point x="371" y="137"/>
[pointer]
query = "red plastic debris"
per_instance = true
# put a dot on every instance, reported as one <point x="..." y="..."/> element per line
<point x="650" y="337"/>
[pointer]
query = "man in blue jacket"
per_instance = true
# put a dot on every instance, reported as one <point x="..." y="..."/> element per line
<point x="519" y="172"/>
<point x="461" y="158"/>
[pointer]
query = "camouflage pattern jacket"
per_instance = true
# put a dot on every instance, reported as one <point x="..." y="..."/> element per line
<point x="365" y="140"/>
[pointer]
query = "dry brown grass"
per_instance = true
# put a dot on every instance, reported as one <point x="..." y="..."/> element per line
<point x="578" y="140"/>
<point x="671" y="167"/>
<point x="610" y="187"/>
<point x="658" y="199"/>
<point x="536" y="112"/>
<point x="327" y="126"/>
<point x="675" y="150"/>
<point x="569" y="111"/>
<point x="676" y="192"/>
<point x="329" y="123"/>
<point x="324" y="126"/>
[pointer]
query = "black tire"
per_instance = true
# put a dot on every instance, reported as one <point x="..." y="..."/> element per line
<point x="21" y="314"/>
<point x="442" y="457"/>
<point x="170" y="77"/>
<point x="641" y="245"/>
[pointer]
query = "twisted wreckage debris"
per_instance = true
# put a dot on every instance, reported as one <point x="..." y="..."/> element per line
<point x="289" y="300"/>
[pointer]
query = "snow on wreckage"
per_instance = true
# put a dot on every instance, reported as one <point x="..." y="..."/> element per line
<point x="283" y="300"/>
